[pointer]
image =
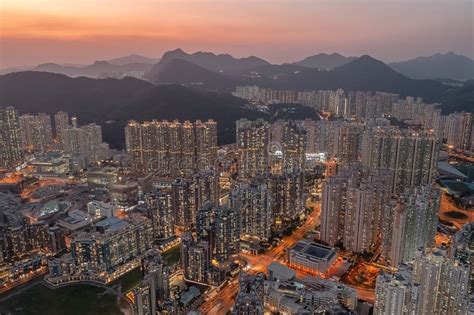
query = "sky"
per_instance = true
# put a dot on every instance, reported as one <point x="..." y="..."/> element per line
<point x="82" y="31"/>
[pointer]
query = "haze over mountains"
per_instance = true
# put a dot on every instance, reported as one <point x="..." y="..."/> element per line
<point x="99" y="69"/>
<point x="133" y="58"/>
<point x="438" y="66"/>
<point x="222" y="63"/>
<point x="325" y="61"/>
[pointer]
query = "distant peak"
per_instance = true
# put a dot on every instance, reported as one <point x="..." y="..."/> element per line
<point x="48" y="64"/>
<point x="178" y="52"/>
<point x="366" y="57"/>
<point x="100" y="62"/>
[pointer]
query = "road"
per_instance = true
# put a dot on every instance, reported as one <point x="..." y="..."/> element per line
<point x="224" y="300"/>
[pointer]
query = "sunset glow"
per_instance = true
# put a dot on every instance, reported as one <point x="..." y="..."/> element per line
<point x="284" y="30"/>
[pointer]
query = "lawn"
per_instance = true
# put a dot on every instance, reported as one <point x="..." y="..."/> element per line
<point x="77" y="299"/>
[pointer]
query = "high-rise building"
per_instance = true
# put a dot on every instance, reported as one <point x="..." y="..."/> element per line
<point x="191" y="193"/>
<point x="219" y="227"/>
<point x="364" y="203"/>
<point x="85" y="142"/>
<point x="458" y="130"/>
<point x="253" y="140"/>
<point x="345" y="142"/>
<point x="396" y="293"/>
<point x="332" y="209"/>
<point x="227" y="232"/>
<point x="352" y="204"/>
<point x="30" y="133"/>
<point x="172" y="147"/>
<point x="144" y="296"/>
<point x="412" y="156"/>
<point x="160" y="211"/>
<point x="36" y="132"/>
<point x="154" y="267"/>
<point x="195" y="259"/>
<point x="92" y="135"/>
<point x="46" y="127"/>
<point x="206" y="143"/>
<point x="11" y="153"/>
<point x="61" y="122"/>
<point x="433" y="284"/>
<point x="312" y="134"/>
<point x="293" y="145"/>
<point x="462" y="249"/>
<point x="205" y="224"/>
<point x="410" y="223"/>
<point x="254" y="201"/>
<point x="287" y="197"/>
<point x="444" y="283"/>
<point x="114" y="242"/>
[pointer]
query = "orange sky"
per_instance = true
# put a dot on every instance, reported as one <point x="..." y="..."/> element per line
<point x="81" y="31"/>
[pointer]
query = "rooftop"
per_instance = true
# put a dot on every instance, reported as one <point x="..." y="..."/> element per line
<point x="111" y="224"/>
<point x="313" y="249"/>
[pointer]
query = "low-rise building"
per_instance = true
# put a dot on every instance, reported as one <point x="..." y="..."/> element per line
<point x="311" y="257"/>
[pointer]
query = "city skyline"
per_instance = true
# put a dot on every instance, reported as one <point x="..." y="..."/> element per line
<point x="310" y="201"/>
<point x="81" y="32"/>
<point x="206" y="183"/>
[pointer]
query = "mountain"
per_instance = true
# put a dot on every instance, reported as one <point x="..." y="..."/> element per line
<point x="362" y="74"/>
<point x="222" y="63"/>
<point x="133" y="58"/>
<point x="99" y="69"/>
<point x="112" y="102"/>
<point x="15" y="69"/>
<point x="180" y="71"/>
<point x="325" y="61"/>
<point x="438" y="66"/>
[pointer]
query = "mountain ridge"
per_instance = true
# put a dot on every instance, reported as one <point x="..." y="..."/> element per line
<point x="98" y="69"/>
<point x="437" y="66"/>
<point x="183" y="72"/>
<point x="324" y="61"/>
<point x="132" y="58"/>
<point x="219" y="63"/>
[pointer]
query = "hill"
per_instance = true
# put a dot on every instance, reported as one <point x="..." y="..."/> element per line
<point x="99" y="69"/>
<point x="223" y="63"/>
<point x="325" y="61"/>
<point x="362" y="74"/>
<point x="112" y="102"/>
<point x="180" y="71"/>
<point x="132" y="58"/>
<point x="438" y="66"/>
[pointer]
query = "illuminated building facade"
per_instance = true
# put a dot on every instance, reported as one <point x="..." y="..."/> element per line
<point x="253" y="141"/>
<point x="412" y="156"/>
<point x="10" y="138"/>
<point x="172" y="147"/>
